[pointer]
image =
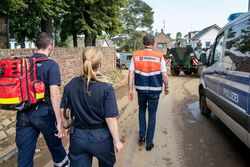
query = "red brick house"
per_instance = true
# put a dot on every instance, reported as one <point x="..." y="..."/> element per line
<point x="162" y="42"/>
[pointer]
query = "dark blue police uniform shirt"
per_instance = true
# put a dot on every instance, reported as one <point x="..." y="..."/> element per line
<point x="94" y="108"/>
<point x="49" y="73"/>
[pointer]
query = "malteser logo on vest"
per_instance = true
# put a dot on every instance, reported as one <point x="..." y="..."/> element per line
<point x="147" y="58"/>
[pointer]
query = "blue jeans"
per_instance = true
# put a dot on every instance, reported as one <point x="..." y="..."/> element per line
<point x="84" y="144"/>
<point x="150" y="101"/>
<point x="28" y="127"/>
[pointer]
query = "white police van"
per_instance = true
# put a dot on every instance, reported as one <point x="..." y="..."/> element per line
<point x="225" y="84"/>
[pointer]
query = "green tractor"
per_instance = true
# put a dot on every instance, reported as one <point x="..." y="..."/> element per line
<point x="184" y="59"/>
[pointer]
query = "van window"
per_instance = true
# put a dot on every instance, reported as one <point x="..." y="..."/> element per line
<point x="129" y="57"/>
<point x="218" y="50"/>
<point x="238" y="46"/>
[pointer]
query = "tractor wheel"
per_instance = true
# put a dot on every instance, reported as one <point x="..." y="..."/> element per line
<point x="175" y="71"/>
<point x="187" y="72"/>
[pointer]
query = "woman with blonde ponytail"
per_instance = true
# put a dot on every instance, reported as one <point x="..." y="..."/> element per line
<point x="94" y="130"/>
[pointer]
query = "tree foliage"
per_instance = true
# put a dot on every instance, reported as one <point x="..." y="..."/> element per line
<point x="138" y="15"/>
<point x="91" y="18"/>
<point x="67" y="18"/>
<point x="137" y="20"/>
<point x="27" y="18"/>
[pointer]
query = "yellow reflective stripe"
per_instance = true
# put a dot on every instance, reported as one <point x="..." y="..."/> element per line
<point x="39" y="95"/>
<point x="14" y="100"/>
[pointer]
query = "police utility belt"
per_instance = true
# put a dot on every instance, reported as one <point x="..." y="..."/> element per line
<point x="89" y="127"/>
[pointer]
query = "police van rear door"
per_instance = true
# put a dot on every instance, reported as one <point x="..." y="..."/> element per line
<point x="235" y="79"/>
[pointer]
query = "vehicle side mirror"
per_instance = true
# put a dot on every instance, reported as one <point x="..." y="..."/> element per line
<point x="203" y="58"/>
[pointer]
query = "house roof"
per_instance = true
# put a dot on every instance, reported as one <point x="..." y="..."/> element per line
<point x="205" y="30"/>
<point x="110" y="43"/>
<point x="102" y="41"/>
<point x="162" y="33"/>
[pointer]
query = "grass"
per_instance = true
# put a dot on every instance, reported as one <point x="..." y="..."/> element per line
<point x="114" y="76"/>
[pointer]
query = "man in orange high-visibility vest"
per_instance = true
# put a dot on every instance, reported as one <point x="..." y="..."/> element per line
<point x="148" y="71"/>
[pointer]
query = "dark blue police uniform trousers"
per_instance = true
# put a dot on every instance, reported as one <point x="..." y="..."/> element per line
<point x="84" y="144"/>
<point x="149" y="100"/>
<point x="28" y="127"/>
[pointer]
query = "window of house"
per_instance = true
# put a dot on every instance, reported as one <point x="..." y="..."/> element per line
<point x="129" y="57"/>
<point x="161" y="45"/>
<point x="237" y="47"/>
<point x="208" y="44"/>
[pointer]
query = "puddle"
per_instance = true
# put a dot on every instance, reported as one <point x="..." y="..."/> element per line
<point x="194" y="109"/>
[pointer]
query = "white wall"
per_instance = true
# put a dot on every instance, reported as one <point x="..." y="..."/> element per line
<point x="209" y="37"/>
<point x="28" y="45"/>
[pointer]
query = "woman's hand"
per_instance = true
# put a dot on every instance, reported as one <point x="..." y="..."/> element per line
<point x="166" y="90"/>
<point x="60" y="130"/>
<point x="130" y="95"/>
<point x="118" y="146"/>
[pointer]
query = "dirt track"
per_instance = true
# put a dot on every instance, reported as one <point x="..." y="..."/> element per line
<point x="183" y="136"/>
<point x="168" y="141"/>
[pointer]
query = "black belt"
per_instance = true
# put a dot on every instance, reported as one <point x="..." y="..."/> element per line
<point x="89" y="127"/>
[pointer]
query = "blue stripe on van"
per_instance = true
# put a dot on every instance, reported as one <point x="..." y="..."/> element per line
<point x="239" y="79"/>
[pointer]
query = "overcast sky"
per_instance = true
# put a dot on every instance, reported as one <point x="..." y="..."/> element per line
<point x="193" y="15"/>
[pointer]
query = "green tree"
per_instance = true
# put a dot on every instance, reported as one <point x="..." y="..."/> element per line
<point x="27" y="17"/>
<point x="137" y="20"/>
<point x="7" y="5"/>
<point x="92" y="18"/>
<point x="138" y="15"/>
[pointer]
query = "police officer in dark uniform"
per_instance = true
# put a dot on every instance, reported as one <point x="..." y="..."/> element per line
<point x="91" y="99"/>
<point x="43" y="117"/>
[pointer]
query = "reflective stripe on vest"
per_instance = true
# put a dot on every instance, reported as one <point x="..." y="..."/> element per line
<point x="147" y="73"/>
<point x="148" y="88"/>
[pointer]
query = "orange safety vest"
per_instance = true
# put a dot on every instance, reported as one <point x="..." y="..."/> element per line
<point x="147" y="71"/>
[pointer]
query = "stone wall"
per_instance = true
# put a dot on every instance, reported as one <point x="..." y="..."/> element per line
<point x="69" y="60"/>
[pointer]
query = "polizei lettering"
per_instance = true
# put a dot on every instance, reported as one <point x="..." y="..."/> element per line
<point x="231" y="95"/>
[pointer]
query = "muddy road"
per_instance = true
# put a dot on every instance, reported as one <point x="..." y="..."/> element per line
<point x="183" y="137"/>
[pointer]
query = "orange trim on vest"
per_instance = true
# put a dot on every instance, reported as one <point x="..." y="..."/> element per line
<point x="147" y="60"/>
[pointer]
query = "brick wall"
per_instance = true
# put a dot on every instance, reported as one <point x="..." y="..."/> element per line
<point x="3" y="33"/>
<point x="69" y="60"/>
<point x="163" y="39"/>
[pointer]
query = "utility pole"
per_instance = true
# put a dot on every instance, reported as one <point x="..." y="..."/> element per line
<point x="164" y="24"/>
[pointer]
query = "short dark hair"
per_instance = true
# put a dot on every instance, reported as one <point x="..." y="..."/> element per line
<point x="148" y="39"/>
<point x="43" y="40"/>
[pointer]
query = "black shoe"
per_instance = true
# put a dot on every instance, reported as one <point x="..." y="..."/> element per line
<point x="149" y="147"/>
<point x="141" y="140"/>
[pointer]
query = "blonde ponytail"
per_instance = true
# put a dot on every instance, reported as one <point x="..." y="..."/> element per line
<point x="91" y="63"/>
